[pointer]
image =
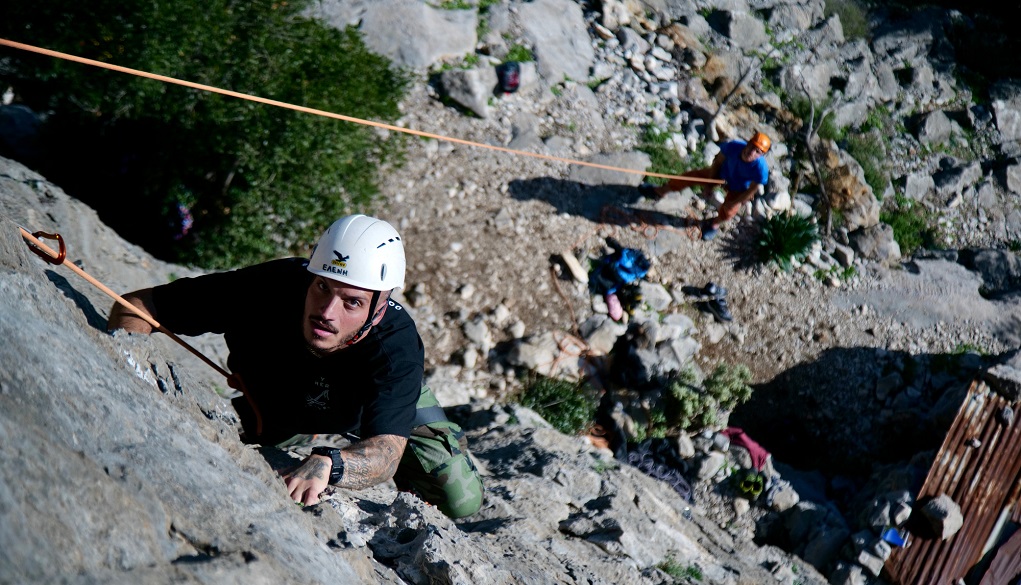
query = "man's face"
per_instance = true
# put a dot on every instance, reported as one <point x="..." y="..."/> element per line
<point x="750" y="152"/>
<point x="334" y="312"/>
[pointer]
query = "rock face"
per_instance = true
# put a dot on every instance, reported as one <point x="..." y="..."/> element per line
<point x="121" y="463"/>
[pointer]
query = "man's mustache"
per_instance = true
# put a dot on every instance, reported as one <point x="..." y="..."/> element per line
<point x="321" y="323"/>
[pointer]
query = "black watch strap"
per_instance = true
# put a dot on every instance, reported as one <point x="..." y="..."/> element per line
<point x="337" y="471"/>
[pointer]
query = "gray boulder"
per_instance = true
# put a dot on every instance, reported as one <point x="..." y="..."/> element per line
<point x="943" y="515"/>
<point x="1006" y="103"/>
<point x="559" y="36"/>
<point x="935" y="128"/>
<point x="876" y="243"/>
<point x="410" y="33"/>
<point x="1000" y="269"/>
<point x="471" y="88"/>
<point x="1005" y="378"/>
<point x="743" y="29"/>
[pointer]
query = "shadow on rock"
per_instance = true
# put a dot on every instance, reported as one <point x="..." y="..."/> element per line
<point x="857" y="408"/>
<point x="610" y="204"/>
<point x="95" y="320"/>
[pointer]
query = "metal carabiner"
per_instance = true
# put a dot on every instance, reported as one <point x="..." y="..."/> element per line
<point x="61" y="255"/>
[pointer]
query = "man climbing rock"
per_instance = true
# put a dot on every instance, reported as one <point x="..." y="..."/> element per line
<point x="319" y="347"/>
<point x="741" y="165"/>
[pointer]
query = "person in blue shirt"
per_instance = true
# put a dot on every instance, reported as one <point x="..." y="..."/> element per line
<point x="742" y="167"/>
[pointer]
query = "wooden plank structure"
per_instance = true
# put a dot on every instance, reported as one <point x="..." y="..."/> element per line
<point x="979" y="467"/>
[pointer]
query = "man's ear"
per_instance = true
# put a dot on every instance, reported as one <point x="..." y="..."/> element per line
<point x="381" y="311"/>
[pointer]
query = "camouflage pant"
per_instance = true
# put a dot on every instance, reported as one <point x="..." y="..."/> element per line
<point x="436" y="466"/>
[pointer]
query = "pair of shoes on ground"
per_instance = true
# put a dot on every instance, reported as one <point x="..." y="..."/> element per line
<point x="708" y="231"/>
<point x="717" y="303"/>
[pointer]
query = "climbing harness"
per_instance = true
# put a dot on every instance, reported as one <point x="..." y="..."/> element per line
<point x="58" y="258"/>
<point x="285" y="105"/>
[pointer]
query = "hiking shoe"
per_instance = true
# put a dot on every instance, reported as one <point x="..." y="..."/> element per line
<point x="718" y="307"/>
<point x="613" y="306"/>
<point x="708" y="231"/>
<point x="714" y="291"/>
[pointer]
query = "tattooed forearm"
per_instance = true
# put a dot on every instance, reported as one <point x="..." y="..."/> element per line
<point x="371" y="461"/>
<point x="312" y="469"/>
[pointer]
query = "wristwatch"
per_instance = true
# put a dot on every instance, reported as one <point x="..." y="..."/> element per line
<point x="337" y="471"/>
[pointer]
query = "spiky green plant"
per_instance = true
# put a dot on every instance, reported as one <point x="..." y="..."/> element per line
<point x="786" y="237"/>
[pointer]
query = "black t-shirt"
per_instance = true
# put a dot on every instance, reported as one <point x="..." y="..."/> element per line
<point x="369" y="388"/>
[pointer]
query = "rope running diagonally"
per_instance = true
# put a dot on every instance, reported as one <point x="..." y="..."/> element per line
<point x="57" y="258"/>
<point x="285" y="105"/>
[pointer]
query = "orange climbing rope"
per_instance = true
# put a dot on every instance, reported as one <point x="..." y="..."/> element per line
<point x="57" y="258"/>
<point x="285" y="105"/>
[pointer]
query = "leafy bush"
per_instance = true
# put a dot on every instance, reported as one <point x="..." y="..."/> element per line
<point x="665" y="160"/>
<point x="568" y="406"/>
<point x="785" y="237"/>
<point x="853" y="18"/>
<point x="257" y="181"/>
<point x="913" y="225"/>
<point x="688" y="406"/>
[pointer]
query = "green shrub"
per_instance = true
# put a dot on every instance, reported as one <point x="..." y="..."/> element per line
<point x="913" y="225"/>
<point x="568" y="406"/>
<point x="728" y="385"/>
<point x="853" y="18"/>
<point x="785" y="237"/>
<point x="869" y="146"/>
<point x="665" y="160"/>
<point x="519" y="53"/>
<point x="869" y="150"/>
<point x="259" y="181"/>
<point x="672" y="567"/>
<point x="689" y="406"/>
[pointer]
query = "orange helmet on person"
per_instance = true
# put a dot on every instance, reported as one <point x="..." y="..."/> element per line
<point x="760" y="141"/>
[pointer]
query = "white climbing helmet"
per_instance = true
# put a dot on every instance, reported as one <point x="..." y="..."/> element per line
<point x="360" y="251"/>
